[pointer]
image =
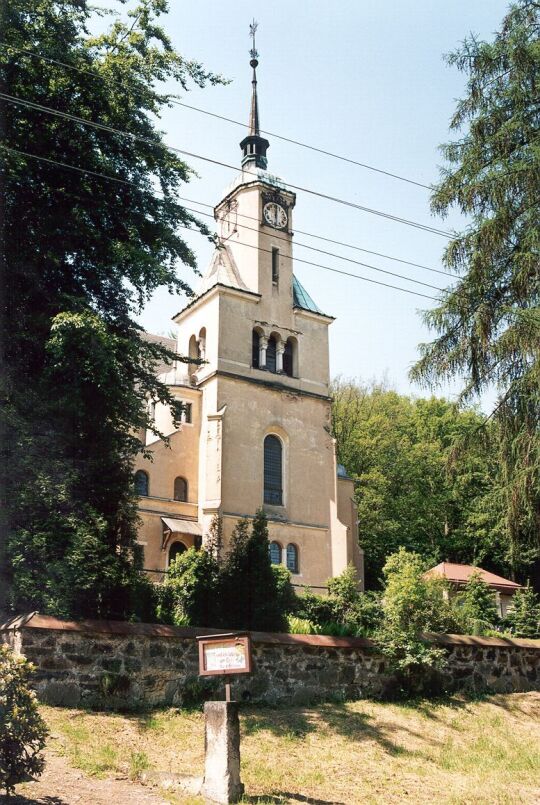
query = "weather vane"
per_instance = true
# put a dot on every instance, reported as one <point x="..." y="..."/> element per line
<point x="253" y="52"/>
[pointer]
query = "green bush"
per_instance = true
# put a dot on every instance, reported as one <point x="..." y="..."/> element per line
<point x="300" y="625"/>
<point x="22" y="730"/>
<point x="477" y="606"/>
<point x="286" y="596"/>
<point x="189" y="595"/>
<point x="523" y="618"/>
<point x="409" y="608"/>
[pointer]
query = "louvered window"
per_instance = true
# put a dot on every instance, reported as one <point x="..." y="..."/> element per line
<point x="292" y="558"/>
<point x="273" y="491"/>
<point x="271" y="354"/>
<point x="255" y="347"/>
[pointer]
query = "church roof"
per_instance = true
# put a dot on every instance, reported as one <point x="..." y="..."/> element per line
<point x="302" y="299"/>
<point x="221" y="271"/>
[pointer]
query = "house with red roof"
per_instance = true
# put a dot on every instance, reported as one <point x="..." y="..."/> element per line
<point x="459" y="575"/>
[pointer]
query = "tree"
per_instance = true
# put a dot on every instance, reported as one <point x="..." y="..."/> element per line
<point x="478" y="606"/>
<point x="249" y="588"/>
<point x="412" y="490"/>
<point x="190" y="592"/>
<point x="488" y="323"/>
<point x="523" y="617"/>
<point x="80" y="255"/>
<point x="22" y="730"/>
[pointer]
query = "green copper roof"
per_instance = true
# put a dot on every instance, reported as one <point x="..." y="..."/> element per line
<point x="302" y="299"/>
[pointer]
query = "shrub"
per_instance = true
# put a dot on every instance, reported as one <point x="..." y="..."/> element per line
<point x="22" y="730"/>
<point x="477" y="605"/>
<point x="286" y="597"/>
<point x="523" y="618"/>
<point x="315" y="608"/>
<point x="300" y="625"/>
<point x="408" y="608"/>
<point x="189" y="596"/>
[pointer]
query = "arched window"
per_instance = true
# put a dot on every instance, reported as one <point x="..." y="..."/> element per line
<point x="292" y="558"/>
<point x="271" y="354"/>
<point x="180" y="489"/>
<point x="193" y="352"/>
<point x="274" y="550"/>
<point x="175" y="550"/>
<point x="273" y="460"/>
<point x="141" y="483"/>
<point x="288" y="366"/>
<point x="255" y="348"/>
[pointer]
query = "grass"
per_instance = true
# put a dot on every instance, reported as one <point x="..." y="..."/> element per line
<point x="451" y="751"/>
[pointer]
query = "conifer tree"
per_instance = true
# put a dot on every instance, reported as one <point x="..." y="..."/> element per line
<point x="249" y="594"/>
<point x="523" y="617"/>
<point x="80" y="255"/>
<point x="478" y="605"/>
<point x="488" y="323"/>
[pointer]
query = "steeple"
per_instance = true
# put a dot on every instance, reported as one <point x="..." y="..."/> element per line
<point x="254" y="146"/>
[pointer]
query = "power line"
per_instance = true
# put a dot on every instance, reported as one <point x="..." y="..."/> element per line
<point x="258" y="248"/>
<point x="328" y="240"/>
<point x="101" y="126"/>
<point x="235" y="122"/>
<point x="252" y="229"/>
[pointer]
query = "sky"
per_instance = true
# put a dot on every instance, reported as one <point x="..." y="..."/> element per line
<point x="366" y="80"/>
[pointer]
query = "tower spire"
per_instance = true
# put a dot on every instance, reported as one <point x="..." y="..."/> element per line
<point x="254" y="146"/>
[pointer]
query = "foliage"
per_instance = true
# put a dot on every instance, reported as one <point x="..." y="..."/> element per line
<point x="478" y="607"/>
<point x="411" y="490"/>
<point x="190" y="590"/>
<point x="75" y="368"/>
<point x="344" y="611"/>
<point x="22" y="730"/>
<point x="488" y="324"/>
<point x="409" y="609"/>
<point x="286" y="597"/>
<point x="523" y="618"/>
<point x="249" y="586"/>
<point x="296" y="625"/>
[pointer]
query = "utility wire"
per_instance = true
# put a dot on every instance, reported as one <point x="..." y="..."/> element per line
<point x="231" y="120"/>
<point x="249" y="245"/>
<point x="327" y="240"/>
<point x="66" y="115"/>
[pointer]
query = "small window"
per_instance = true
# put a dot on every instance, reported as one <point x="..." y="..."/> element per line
<point x="275" y="266"/>
<point x="273" y="491"/>
<point x="271" y="354"/>
<point x="141" y="483"/>
<point x="187" y="413"/>
<point x="274" y="550"/>
<point x="255" y="349"/>
<point x="176" y="549"/>
<point x="180" y="489"/>
<point x="292" y="558"/>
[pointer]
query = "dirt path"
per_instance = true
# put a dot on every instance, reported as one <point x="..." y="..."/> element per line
<point x="60" y="784"/>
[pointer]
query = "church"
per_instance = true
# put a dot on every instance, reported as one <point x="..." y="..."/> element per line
<point x="256" y="427"/>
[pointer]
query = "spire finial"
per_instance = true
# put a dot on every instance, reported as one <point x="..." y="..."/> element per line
<point x="254" y="146"/>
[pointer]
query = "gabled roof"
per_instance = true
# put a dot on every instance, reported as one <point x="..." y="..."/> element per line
<point x="460" y="574"/>
<point x="221" y="271"/>
<point x="302" y="299"/>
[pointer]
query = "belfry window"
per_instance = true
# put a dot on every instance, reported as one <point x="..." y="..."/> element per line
<point x="271" y="352"/>
<point x="273" y="471"/>
<point x="288" y="358"/>
<point x="274" y="549"/>
<point x="292" y="558"/>
<point x="275" y="266"/>
<point x="255" y="348"/>
<point x="141" y="482"/>
<point x="180" y="489"/>
<point x="186" y="413"/>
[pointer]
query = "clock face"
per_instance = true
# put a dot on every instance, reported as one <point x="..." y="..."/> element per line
<point x="275" y="215"/>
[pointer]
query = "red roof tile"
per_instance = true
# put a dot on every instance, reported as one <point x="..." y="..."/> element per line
<point x="460" y="574"/>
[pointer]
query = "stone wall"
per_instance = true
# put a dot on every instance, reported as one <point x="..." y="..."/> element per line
<point x="102" y="663"/>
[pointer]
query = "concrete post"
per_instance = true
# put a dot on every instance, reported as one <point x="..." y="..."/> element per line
<point x="222" y="753"/>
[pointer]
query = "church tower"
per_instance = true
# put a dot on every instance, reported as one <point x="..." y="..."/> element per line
<point x="259" y="429"/>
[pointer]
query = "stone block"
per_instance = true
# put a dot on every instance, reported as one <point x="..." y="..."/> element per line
<point x="222" y="753"/>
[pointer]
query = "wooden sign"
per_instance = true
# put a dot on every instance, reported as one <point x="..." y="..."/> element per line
<point x="224" y="654"/>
